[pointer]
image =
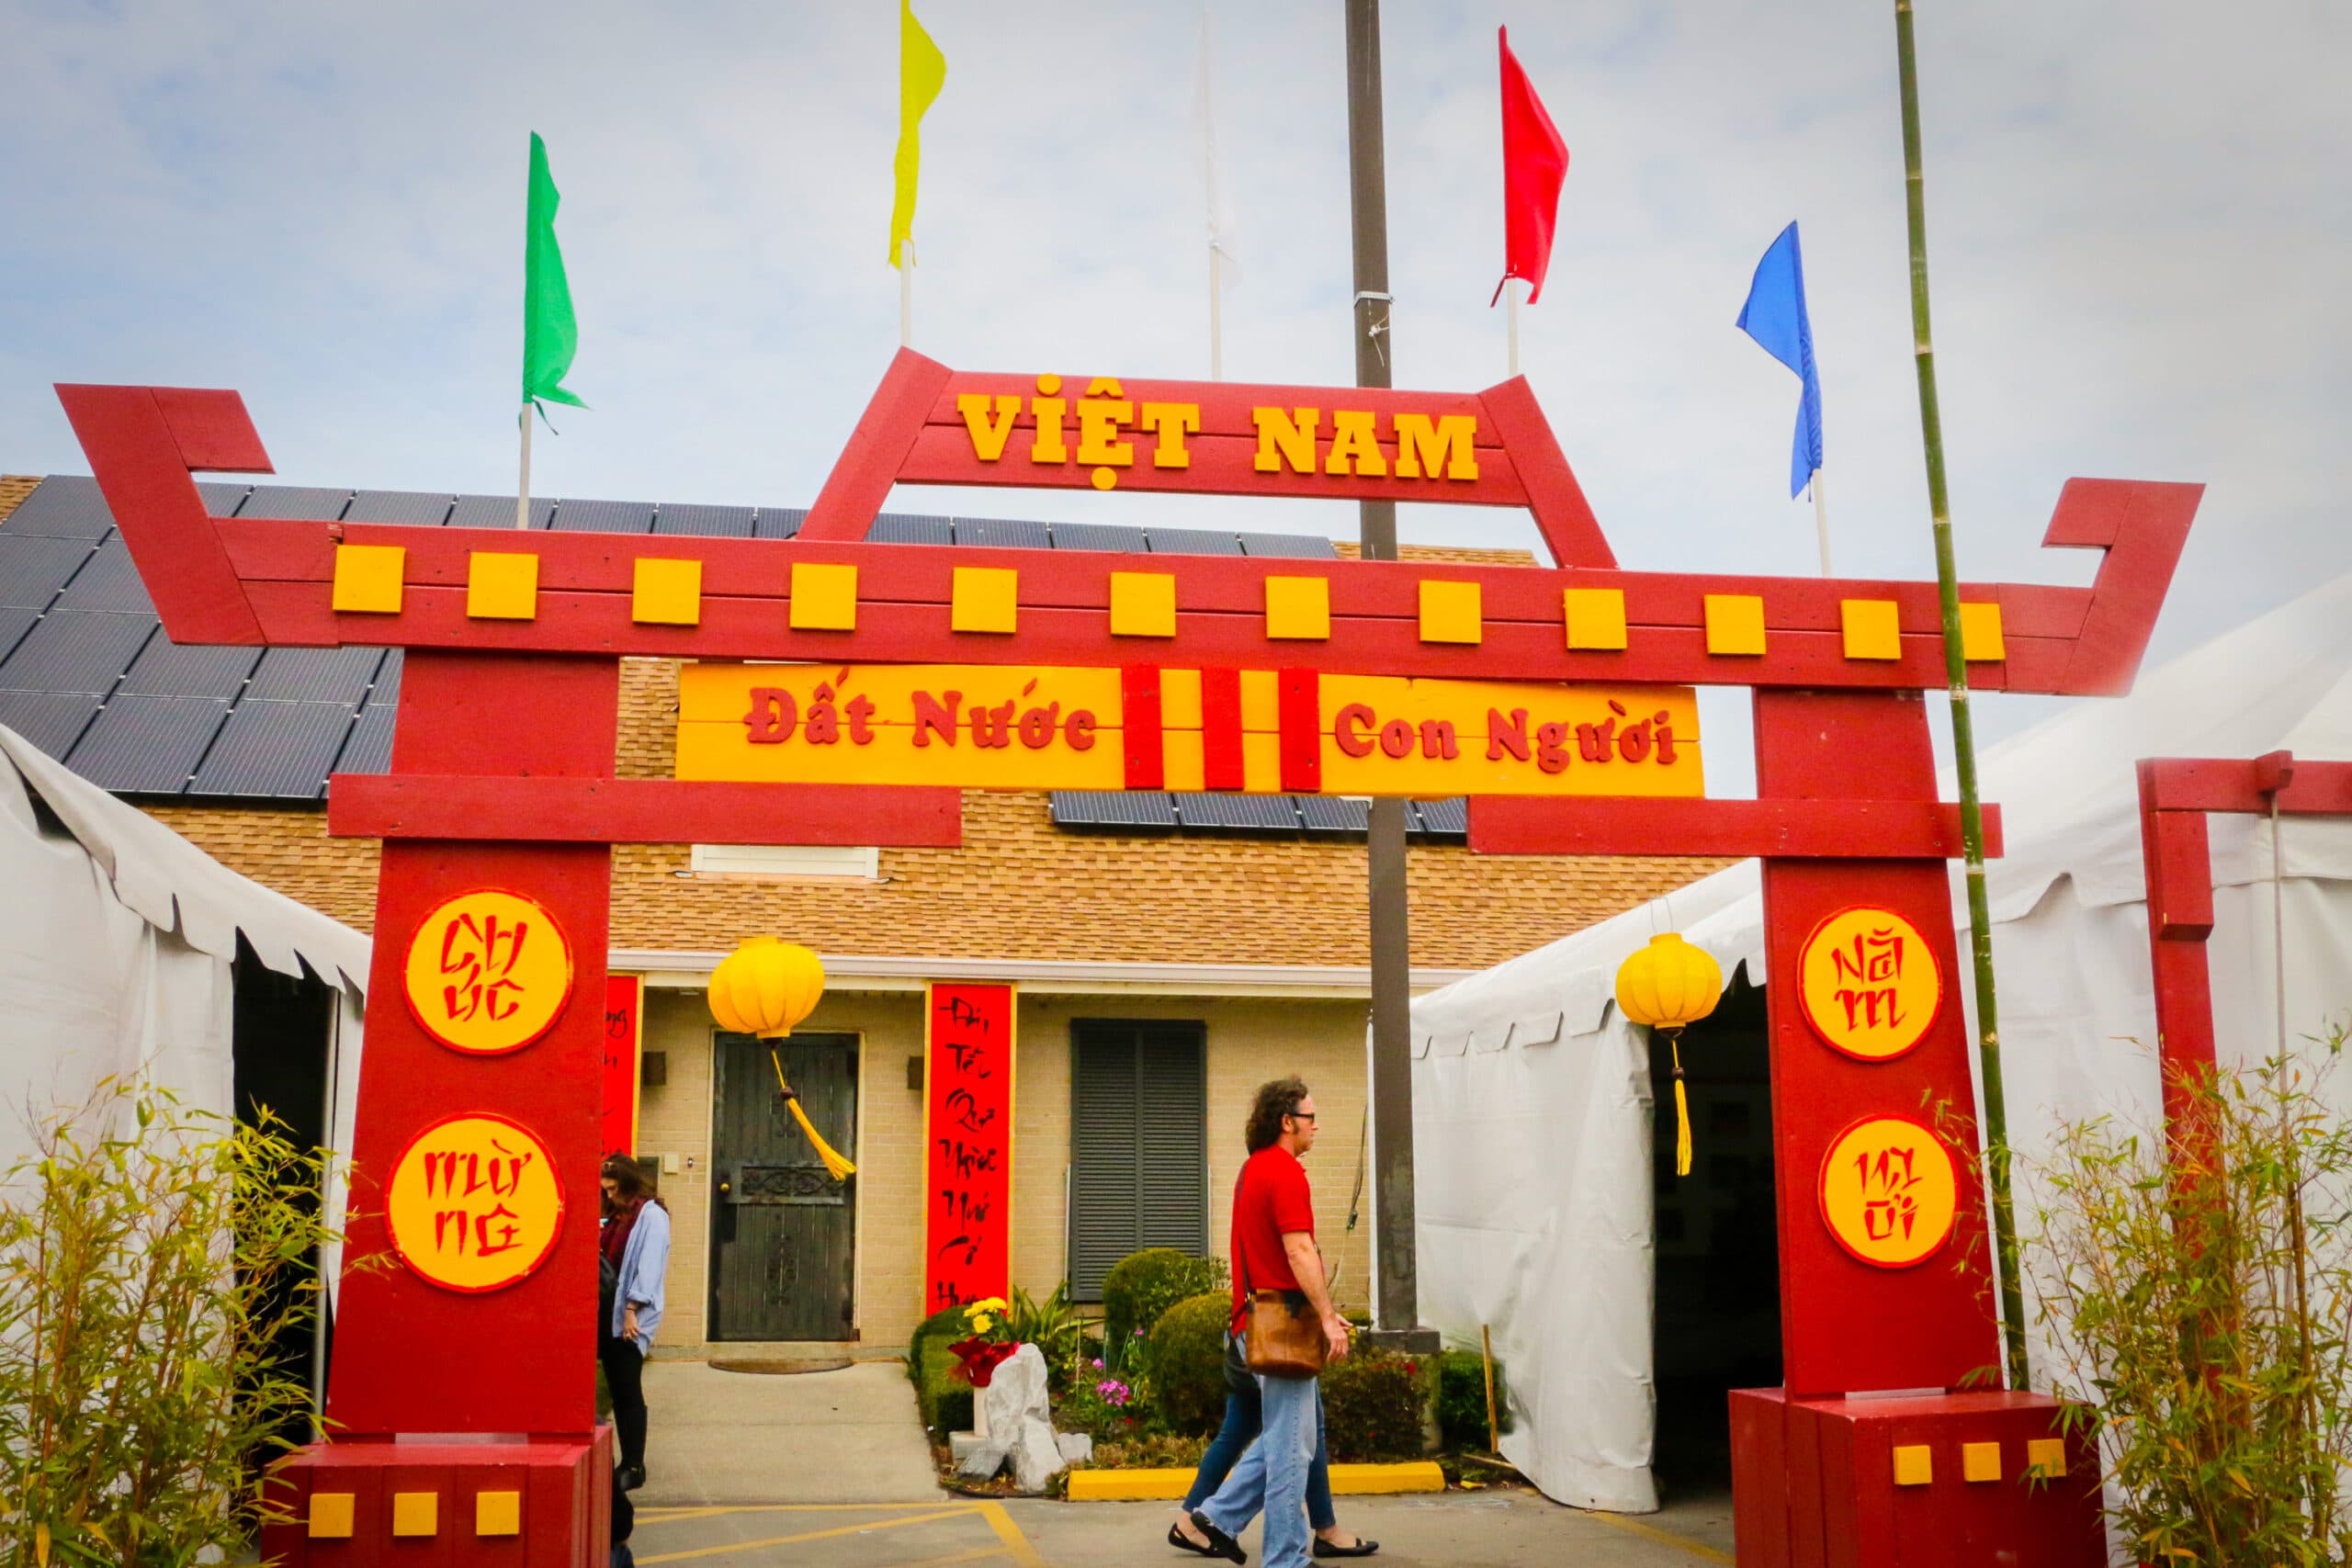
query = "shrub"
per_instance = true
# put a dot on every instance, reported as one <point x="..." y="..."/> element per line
<point x="1373" y="1406"/>
<point x="1051" y="1324"/>
<point x="1462" y="1402"/>
<point x="1144" y="1284"/>
<point x="1188" y="1362"/>
<point x="944" y="1399"/>
<point x="2196" y="1311"/>
<point x="154" y="1267"/>
<point x="1106" y="1408"/>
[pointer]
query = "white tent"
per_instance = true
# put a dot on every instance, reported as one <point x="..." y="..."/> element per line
<point x="1531" y="1095"/>
<point x="117" y="938"/>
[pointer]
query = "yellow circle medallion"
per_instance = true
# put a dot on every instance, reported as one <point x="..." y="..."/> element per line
<point x="1870" y="985"/>
<point x="1889" y="1191"/>
<point x="474" y="1204"/>
<point x="488" y="971"/>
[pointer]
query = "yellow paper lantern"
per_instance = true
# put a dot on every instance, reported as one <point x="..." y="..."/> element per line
<point x="1668" y="985"/>
<point x="765" y="986"/>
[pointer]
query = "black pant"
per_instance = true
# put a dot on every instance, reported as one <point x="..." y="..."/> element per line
<point x="625" y="1376"/>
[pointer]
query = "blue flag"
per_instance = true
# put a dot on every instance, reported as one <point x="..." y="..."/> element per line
<point x="1775" y="317"/>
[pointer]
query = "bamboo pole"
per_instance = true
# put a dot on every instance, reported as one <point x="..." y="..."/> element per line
<point x="1487" y="1361"/>
<point x="1963" y="732"/>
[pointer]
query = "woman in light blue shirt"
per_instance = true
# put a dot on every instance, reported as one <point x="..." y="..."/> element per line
<point x="634" y="1255"/>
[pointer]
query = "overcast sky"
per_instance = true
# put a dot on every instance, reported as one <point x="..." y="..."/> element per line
<point x="2141" y="217"/>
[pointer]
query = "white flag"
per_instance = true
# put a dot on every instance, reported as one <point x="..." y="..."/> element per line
<point x="1222" y="231"/>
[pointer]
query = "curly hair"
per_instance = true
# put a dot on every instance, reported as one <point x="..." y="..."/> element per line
<point x="1275" y="1102"/>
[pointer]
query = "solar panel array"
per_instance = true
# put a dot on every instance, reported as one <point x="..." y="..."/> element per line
<point x="1313" y="817"/>
<point x="87" y="674"/>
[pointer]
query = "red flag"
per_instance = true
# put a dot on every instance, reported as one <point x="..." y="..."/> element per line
<point x="1534" y="162"/>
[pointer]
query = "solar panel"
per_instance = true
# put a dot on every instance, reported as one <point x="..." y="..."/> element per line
<point x="32" y="568"/>
<point x="1238" y="812"/>
<point x="780" y="522"/>
<point x="421" y="509"/>
<point x="281" y="750"/>
<point x="1004" y="534"/>
<point x="314" y="674"/>
<point x="147" y="745"/>
<point x="107" y="580"/>
<point x="387" y="688"/>
<point x="63" y="506"/>
<point x="1305" y="547"/>
<point x="1113" y="808"/>
<point x="1443" y="818"/>
<point x="704" y="521"/>
<point x="13" y="625"/>
<point x="75" y="651"/>
<point x="1334" y="814"/>
<point x="496" y="511"/>
<point x="1192" y="542"/>
<point x="603" y="517"/>
<point x="222" y="497"/>
<point x="307" y="502"/>
<point x="1099" y="537"/>
<point x="906" y="528"/>
<point x="50" y="720"/>
<point x="164" y="669"/>
<point x="370" y="750"/>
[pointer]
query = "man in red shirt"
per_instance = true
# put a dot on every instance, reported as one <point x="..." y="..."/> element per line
<point x="1274" y="1249"/>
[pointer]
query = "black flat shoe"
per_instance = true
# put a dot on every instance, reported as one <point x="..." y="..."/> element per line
<point x="632" y="1477"/>
<point x="1362" y="1547"/>
<point x="1177" y="1538"/>
<point x="1220" y="1544"/>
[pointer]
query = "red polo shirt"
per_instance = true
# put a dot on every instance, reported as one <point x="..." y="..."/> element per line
<point x="1270" y="1200"/>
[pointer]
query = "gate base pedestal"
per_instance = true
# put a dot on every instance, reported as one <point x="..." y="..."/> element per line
<point x="542" y="1503"/>
<point x="1874" y="1483"/>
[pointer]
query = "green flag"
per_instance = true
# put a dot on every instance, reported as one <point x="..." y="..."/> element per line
<point x="550" y="331"/>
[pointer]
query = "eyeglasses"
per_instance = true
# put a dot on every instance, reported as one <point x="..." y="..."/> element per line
<point x="1300" y="1115"/>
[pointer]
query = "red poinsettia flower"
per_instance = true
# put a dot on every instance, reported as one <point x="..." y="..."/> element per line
<point x="977" y="1359"/>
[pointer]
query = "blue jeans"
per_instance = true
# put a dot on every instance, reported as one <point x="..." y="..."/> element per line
<point x="1271" y="1475"/>
<point x="1243" y="1414"/>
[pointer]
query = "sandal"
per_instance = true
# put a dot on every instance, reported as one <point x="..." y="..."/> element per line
<point x="1182" y="1543"/>
<point x="1362" y="1547"/>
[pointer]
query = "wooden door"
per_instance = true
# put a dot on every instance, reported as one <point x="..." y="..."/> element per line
<point x="784" y="1234"/>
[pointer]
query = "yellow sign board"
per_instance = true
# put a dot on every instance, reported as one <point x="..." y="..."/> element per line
<point x="1870" y="985"/>
<point x="1016" y="728"/>
<point x="474" y="1204"/>
<point x="488" y="971"/>
<point x="1889" y="1193"/>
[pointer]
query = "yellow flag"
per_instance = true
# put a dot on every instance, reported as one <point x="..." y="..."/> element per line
<point x="922" y="70"/>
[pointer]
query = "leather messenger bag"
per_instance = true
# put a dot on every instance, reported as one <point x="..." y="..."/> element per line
<point x="1281" y="1337"/>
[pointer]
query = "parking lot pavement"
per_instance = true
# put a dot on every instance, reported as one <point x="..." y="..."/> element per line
<point x="1486" y="1530"/>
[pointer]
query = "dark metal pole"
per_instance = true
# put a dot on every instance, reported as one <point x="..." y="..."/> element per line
<point x="1392" y="1063"/>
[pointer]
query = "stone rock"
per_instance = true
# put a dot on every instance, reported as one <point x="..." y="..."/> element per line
<point x="1076" y="1447"/>
<point x="960" y="1445"/>
<point x="1019" y="1425"/>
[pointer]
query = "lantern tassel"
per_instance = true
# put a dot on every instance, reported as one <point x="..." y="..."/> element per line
<point x="839" y="1168"/>
<point x="1681" y="1110"/>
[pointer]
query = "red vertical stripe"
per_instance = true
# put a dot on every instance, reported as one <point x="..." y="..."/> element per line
<point x="1139" y="731"/>
<point x="1301" y="725"/>
<point x="1221" y="728"/>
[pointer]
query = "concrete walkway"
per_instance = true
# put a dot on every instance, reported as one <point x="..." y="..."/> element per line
<point x="744" y="1438"/>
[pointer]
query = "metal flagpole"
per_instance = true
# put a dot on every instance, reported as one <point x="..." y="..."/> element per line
<point x="907" y="293"/>
<point x="1820" y="519"/>
<point x="1216" y="328"/>
<point x="522" y="490"/>
<point x="1511" y="319"/>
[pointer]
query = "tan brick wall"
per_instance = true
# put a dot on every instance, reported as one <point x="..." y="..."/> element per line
<point x="14" y="488"/>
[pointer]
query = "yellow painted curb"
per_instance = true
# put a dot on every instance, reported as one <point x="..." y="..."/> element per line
<point x="1169" y="1485"/>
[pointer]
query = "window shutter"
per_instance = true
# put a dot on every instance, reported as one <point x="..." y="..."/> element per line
<point x="1138" y="1144"/>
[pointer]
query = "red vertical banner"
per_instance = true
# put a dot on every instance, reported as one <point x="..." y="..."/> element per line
<point x="624" y="1027"/>
<point x="967" y="1144"/>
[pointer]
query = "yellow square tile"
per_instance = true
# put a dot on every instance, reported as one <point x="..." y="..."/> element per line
<point x="367" y="578"/>
<point x="1980" y="1461"/>
<point x="416" y="1513"/>
<point x="1980" y="634"/>
<point x="1298" y="608"/>
<point x="1735" y="622"/>
<point x="498" y="1513"/>
<point x="667" y="593"/>
<point x="987" y="599"/>
<point x="1596" y="616"/>
<point x="501" y="585"/>
<point x="1914" y="1466"/>
<point x="331" y="1515"/>
<point x="1143" y="603"/>
<point x="824" y="597"/>
<point x="1871" y="628"/>
<point x="1451" y="612"/>
<point x="2045" y="1456"/>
